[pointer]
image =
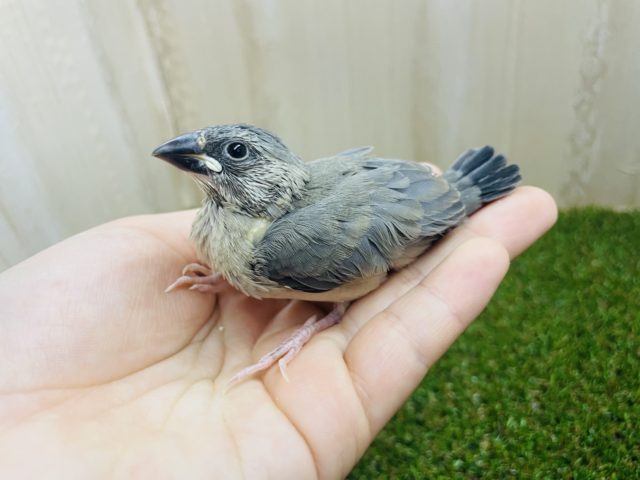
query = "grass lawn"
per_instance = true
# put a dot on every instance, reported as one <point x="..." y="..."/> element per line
<point x="546" y="382"/>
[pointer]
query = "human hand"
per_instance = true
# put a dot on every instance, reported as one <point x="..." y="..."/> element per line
<point x="104" y="375"/>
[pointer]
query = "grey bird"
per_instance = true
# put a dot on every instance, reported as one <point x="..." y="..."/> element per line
<point x="329" y="230"/>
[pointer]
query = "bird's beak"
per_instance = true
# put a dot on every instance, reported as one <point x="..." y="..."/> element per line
<point x="185" y="152"/>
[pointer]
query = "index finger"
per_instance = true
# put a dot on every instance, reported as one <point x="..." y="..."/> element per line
<point x="391" y="353"/>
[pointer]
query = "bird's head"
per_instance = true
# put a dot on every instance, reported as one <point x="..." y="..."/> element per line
<point x="240" y="167"/>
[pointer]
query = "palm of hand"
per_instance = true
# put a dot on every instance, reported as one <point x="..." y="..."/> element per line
<point x="106" y="373"/>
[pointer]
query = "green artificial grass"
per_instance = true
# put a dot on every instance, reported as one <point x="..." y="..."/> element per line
<point x="546" y="382"/>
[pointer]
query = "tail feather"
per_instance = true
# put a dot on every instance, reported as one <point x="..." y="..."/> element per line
<point x="482" y="177"/>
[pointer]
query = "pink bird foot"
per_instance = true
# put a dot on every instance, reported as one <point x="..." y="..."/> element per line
<point x="287" y="350"/>
<point x="200" y="278"/>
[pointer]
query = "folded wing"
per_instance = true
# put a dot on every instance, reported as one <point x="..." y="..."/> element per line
<point x="377" y="213"/>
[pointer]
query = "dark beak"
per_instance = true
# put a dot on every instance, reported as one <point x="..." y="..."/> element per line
<point x="183" y="152"/>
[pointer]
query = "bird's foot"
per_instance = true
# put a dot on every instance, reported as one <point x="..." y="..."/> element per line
<point x="287" y="350"/>
<point x="200" y="278"/>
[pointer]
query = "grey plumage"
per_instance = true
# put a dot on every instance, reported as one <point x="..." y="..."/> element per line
<point x="330" y="229"/>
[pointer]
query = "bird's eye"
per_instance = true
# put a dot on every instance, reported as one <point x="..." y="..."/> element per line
<point x="237" y="150"/>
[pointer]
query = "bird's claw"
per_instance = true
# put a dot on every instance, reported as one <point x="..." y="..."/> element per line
<point x="197" y="269"/>
<point x="289" y="349"/>
<point x="198" y="278"/>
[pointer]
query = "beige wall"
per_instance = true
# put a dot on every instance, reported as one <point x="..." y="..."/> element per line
<point x="88" y="88"/>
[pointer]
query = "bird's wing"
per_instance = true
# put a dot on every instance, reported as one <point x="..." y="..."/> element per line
<point x="357" y="151"/>
<point x="372" y="215"/>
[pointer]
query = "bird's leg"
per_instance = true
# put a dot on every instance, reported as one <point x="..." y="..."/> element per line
<point x="200" y="278"/>
<point x="287" y="350"/>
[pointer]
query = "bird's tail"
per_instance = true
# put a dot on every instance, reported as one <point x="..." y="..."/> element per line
<point x="482" y="177"/>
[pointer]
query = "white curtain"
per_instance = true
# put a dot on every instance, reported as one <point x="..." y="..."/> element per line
<point x="89" y="88"/>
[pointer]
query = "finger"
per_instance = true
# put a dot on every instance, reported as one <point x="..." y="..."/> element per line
<point x="392" y="353"/>
<point x="434" y="168"/>
<point x="514" y="221"/>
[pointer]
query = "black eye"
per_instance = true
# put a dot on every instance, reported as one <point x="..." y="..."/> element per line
<point x="237" y="150"/>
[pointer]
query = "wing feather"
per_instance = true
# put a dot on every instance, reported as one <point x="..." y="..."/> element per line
<point x="361" y="227"/>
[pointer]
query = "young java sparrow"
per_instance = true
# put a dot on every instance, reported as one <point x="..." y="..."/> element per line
<point x="329" y="230"/>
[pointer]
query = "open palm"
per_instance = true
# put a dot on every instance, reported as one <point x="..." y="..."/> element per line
<point x="103" y="374"/>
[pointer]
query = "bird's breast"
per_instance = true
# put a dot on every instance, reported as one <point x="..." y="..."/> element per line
<point x="226" y="240"/>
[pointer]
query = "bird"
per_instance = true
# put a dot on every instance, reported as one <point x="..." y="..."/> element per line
<point x="330" y="230"/>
